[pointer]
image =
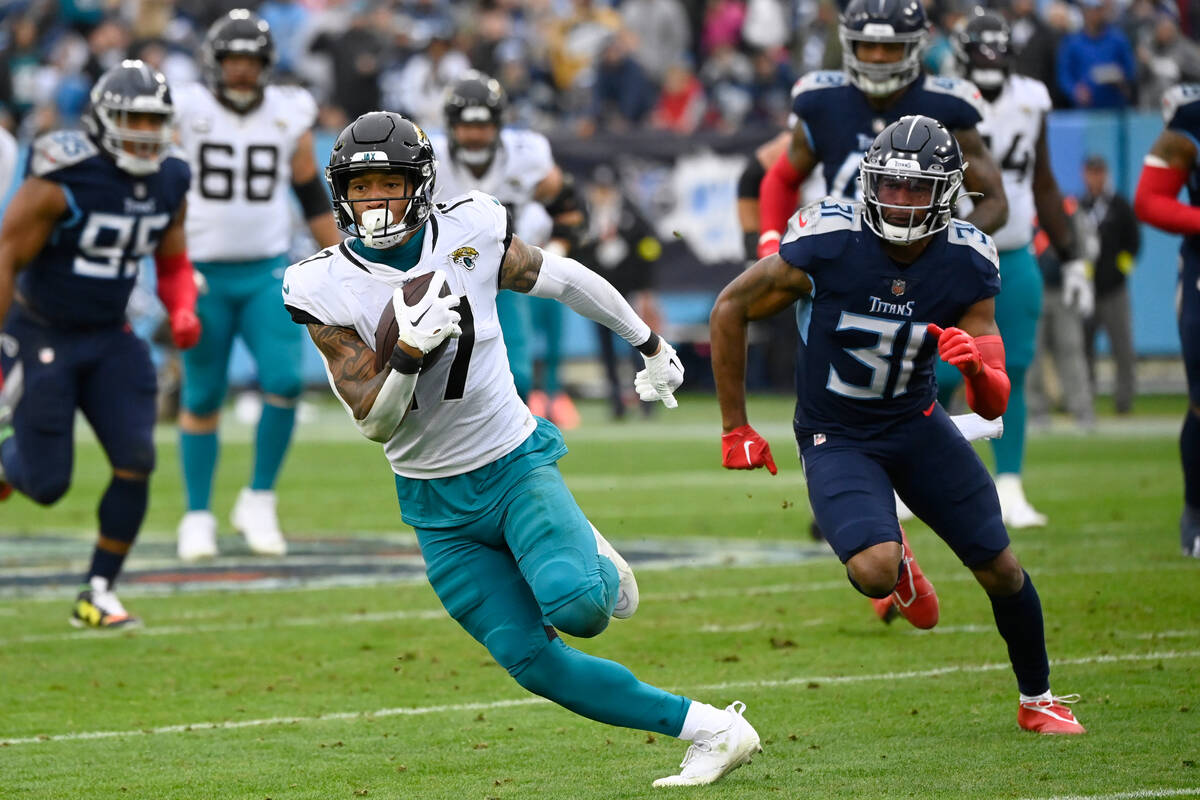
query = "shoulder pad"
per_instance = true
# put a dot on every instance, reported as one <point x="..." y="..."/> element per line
<point x="955" y="87"/>
<point x="1177" y="97"/>
<point x="826" y="215"/>
<point x="1032" y="92"/>
<point x="60" y="149"/>
<point x="819" y="79"/>
<point x="296" y="102"/>
<point x="964" y="233"/>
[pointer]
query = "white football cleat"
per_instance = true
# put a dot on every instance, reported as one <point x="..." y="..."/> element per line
<point x="254" y="517"/>
<point x="1014" y="508"/>
<point x="197" y="536"/>
<point x="713" y="755"/>
<point x="627" y="592"/>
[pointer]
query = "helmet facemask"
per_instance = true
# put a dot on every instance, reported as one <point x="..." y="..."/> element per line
<point x="935" y="191"/>
<point x="983" y="57"/>
<point x="476" y="116"/>
<point x="385" y="227"/>
<point x="881" y="80"/>
<point x="135" y="151"/>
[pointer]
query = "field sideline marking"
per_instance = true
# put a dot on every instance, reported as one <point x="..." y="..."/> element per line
<point x="493" y="704"/>
<point x="1124" y="795"/>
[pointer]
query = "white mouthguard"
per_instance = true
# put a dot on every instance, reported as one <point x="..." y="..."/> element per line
<point x="375" y="219"/>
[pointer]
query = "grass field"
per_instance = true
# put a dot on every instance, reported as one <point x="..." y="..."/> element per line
<point x="371" y="691"/>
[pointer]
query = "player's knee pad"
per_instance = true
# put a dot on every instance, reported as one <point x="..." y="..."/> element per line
<point x="573" y="600"/>
<point x="200" y="397"/>
<point x="281" y="380"/>
<point x="135" y="457"/>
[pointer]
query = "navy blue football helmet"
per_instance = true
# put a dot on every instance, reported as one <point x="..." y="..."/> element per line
<point x="131" y="88"/>
<point x="982" y="50"/>
<point x="911" y="179"/>
<point x="243" y="33"/>
<point x="382" y="141"/>
<point x="890" y="21"/>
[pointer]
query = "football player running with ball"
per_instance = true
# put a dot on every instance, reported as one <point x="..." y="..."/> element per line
<point x="507" y="549"/>
<point x="247" y="141"/>
<point x="883" y="284"/>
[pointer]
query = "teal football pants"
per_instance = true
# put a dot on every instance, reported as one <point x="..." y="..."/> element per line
<point x="1018" y="307"/>
<point x="516" y="324"/>
<point x="530" y="566"/>
<point x="243" y="299"/>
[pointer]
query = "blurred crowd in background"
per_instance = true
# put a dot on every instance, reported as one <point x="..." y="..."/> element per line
<point x="578" y="66"/>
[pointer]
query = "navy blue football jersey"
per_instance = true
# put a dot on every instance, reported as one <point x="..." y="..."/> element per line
<point x="865" y="359"/>
<point x="1181" y="112"/>
<point x="83" y="276"/>
<point x="841" y="124"/>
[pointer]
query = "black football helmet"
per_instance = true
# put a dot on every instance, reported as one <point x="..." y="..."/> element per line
<point x="474" y="98"/>
<point x="982" y="50"/>
<point x="382" y="141"/>
<point x="901" y="21"/>
<point x="131" y="87"/>
<point x="919" y="156"/>
<point x="240" y="32"/>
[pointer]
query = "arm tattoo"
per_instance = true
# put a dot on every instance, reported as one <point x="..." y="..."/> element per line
<point x="352" y="365"/>
<point x="521" y="266"/>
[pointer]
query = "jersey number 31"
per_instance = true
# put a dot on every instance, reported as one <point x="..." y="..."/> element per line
<point x="878" y="358"/>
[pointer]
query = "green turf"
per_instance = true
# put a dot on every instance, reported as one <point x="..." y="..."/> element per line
<point x="847" y="707"/>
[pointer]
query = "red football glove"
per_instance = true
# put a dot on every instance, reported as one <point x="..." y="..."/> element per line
<point x="185" y="328"/>
<point x="958" y="348"/>
<point x="743" y="448"/>
<point x="768" y="244"/>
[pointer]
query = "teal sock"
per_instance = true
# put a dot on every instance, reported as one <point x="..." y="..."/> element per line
<point x="1009" y="449"/>
<point x="550" y="318"/>
<point x="198" y="453"/>
<point x="271" y="443"/>
<point x="602" y="690"/>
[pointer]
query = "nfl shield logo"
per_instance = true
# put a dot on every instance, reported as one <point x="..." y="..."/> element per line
<point x="898" y="286"/>
<point x="818" y="438"/>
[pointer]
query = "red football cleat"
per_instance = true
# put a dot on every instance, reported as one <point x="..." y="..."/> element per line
<point x="914" y="596"/>
<point x="5" y="490"/>
<point x="1049" y="716"/>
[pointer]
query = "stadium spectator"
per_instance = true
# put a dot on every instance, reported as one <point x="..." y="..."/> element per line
<point x="664" y="36"/>
<point x="623" y="95"/>
<point x="420" y="85"/>
<point x="681" y="103"/>
<point x="1096" y="66"/>
<point x="1120" y="239"/>
<point x="1166" y="58"/>
<point x="1035" y="43"/>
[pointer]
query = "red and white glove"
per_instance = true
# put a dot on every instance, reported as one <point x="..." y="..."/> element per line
<point x="185" y="328"/>
<point x="957" y="348"/>
<point x="768" y="243"/>
<point x="743" y="448"/>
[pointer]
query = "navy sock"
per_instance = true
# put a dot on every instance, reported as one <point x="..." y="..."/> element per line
<point x="1019" y="620"/>
<point x="122" y="509"/>
<point x="1189" y="451"/>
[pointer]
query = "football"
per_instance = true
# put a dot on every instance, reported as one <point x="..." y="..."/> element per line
<point x="387" y="330"/>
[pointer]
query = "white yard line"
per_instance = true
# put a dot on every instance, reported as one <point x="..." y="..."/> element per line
<point x="485" y="705"/>
<point x="1125" y="795"/>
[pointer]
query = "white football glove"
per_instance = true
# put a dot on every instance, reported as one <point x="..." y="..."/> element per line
<point x="1078" y="292"/>
<point x="431" y="321"/>
<point x="661" y="377"/>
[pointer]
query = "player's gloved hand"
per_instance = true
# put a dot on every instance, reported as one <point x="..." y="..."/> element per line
<point x="743" y="448"/>
<point x="431" y="321"/>
<point x="768" y="243"/>
<point x="661" y="377"/>
<point x="958" y="348"/>
<point x="185" y="328"/>
<point x="1078" y="292"/>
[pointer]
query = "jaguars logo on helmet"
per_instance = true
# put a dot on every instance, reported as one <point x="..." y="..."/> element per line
<point x="382" y="141"/>
<point x="918" y="155"/>
<point x="890" y="22"/>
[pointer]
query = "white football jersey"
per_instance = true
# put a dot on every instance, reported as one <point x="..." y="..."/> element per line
<point x="239" y="206"/>
<point x="466" y="412"/>
<point x="1010" y="129"/>
<point x="523" y="159"/>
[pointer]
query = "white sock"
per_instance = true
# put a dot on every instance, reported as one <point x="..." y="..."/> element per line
<point x="701" y="720"/>
<point x="1044" y="697"/>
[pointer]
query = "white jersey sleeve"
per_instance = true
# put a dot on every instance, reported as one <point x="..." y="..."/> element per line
<point x="1010" y="128"/>
<point x="239" y="206"/>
